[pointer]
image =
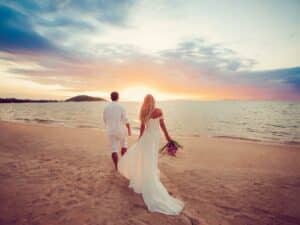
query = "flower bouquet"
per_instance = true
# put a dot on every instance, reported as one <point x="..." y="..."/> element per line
<point x="170" y="148"/>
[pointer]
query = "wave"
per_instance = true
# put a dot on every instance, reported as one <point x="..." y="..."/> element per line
<point x="86" y="126"/>
<point x="292" y="142"/>
<point x="280" y="133"/>
<point x="251" y="130"/>
<point x="44" y="121"/>
<point x="53" y="122"/>
<point x="23" y="119"/>
<point x="237" y="138"/>
<point x="37" y="120"/>
<point x="275" y="125"/>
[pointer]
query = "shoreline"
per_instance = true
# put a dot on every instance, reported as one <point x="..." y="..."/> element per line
<point x="294" y="144"/>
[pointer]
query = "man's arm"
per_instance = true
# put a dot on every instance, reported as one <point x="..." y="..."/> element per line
<point x="128" y="129"/>
<point x="125" y="120"/>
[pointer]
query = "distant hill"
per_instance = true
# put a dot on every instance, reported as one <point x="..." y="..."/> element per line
<point x="15" y="100"/>
<point x="84" y="98"/>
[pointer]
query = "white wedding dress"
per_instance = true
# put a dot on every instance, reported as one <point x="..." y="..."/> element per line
<point x="139" y="166"/>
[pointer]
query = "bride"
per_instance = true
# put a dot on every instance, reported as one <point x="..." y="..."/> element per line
<point x="139" y="164"/>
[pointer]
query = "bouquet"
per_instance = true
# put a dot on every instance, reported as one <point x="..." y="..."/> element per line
<point x="170" y="148"/>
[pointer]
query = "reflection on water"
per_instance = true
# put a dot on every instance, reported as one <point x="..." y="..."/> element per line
<point x="250" y="120"/>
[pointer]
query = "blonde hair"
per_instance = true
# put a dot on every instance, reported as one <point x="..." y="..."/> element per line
<point x="147" y="108"/>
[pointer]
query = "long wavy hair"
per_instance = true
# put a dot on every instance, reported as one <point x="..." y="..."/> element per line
<point x="147" y="108"/>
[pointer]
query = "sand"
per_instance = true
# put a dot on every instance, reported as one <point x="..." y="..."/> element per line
<point x="57" y="175"/>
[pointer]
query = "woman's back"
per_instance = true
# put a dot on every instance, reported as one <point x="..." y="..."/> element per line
<point x="139" y="165"/>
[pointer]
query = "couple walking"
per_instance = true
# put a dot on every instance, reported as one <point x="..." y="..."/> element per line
<point x="140" y="163"/>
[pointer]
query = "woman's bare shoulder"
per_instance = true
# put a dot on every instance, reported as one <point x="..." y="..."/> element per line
<point x="157" y="113"/>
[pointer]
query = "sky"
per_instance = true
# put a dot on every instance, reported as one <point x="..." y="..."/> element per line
<point x="198" y="50"/>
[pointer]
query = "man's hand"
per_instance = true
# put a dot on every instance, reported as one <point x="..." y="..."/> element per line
<point x="128" y="129"/>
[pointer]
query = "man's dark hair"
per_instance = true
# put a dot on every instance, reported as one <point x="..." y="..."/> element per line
<point x="114" y="96"/>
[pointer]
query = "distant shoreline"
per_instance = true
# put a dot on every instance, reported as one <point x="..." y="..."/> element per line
<point x="15" y="100"/>
<point x="79" y="98"/>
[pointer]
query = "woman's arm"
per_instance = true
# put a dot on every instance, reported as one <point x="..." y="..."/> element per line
<point x="142" y="128"/>
<point x="164" y="129"/>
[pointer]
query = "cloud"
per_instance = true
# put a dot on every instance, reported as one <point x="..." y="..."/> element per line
<point x="198" y="51"/>
<point x="17" y="33"/>
<point x="117" y="66"/>
<point x="289" y="77"/>
<point x="40" y="26"/>
<point x="113" y="12"/>
<point x="64" y="21"/>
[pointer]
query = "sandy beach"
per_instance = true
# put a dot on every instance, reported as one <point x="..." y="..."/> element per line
<point x="57" y="175"/>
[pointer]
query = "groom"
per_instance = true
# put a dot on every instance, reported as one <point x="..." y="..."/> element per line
<point x="115" y="120"/>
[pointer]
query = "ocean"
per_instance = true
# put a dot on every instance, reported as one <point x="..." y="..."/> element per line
<point x="264" y="121"/>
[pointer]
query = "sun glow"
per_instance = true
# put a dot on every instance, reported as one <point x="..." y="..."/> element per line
<point x="137" y="93"/>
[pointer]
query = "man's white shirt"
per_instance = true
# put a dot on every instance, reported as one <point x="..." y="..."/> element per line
<point x="115" y="119"/>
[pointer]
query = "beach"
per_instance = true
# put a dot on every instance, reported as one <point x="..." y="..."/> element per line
<point x="59" y="175"/>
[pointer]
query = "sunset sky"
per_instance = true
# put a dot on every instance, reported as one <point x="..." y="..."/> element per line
<point x="200" y="50"/>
